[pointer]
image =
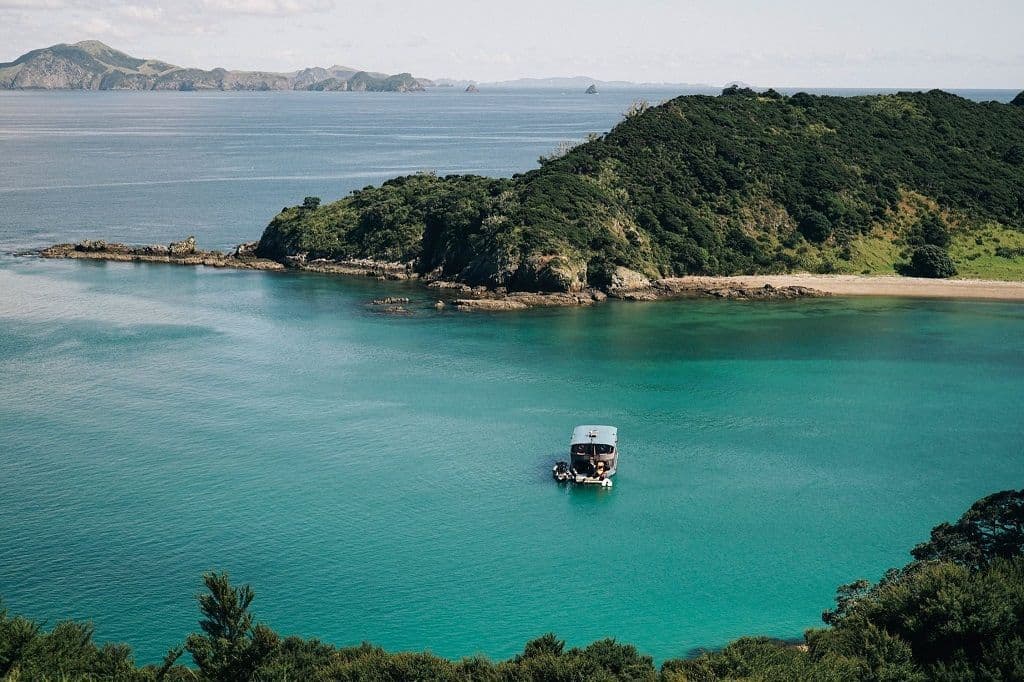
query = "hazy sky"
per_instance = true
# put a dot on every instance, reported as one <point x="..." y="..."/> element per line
<point x="867" y="43"/>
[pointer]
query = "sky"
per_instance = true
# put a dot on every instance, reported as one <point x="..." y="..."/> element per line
<point x="787" y="43"/>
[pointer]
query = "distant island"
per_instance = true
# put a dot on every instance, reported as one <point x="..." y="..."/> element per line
<point x="91" y="65"/>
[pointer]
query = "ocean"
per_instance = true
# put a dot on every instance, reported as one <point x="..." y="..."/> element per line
<point x="387" y="478"/>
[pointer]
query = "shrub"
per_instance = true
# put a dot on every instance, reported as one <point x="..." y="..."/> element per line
<point x="931" y="261"/>
<point x="929" y="229"/>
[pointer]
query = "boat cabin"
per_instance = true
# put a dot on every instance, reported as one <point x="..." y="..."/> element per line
<point x="593" y="455"/>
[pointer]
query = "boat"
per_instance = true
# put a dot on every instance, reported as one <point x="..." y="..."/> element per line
<point x="593" y="456"/>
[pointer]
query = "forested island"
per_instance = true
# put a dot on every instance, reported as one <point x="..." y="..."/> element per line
<point x="955" y="612"/>
<point x="927" y="184"/>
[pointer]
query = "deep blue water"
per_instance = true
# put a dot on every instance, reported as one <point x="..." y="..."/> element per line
<point x="387" y="478"/>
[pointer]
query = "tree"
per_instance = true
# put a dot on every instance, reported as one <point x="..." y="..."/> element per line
<point x="931" y="261"/>
<point x="545" y="645"/>
<point x="992" y="528"/>
<point x="233" y="647"/>
<point x="311" y="203"/>
<point x="1014" y="155"/>
<point x="930" y="229"/>
<point x="815" y="227"/>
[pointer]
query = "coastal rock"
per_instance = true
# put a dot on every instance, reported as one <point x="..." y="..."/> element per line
<point x="185" y="247"/>
<point x="472" y="88"/>
<point x="246" y="250"/>
<point x="444" y="284"/>
<point x="488" y="304"/>
<point x="626" y="279"/>
<point x="521" y="300"/>
<point x="183" y="253"/>
<point x="766" y="292"/>
<point x="552" y="273"/>
<point x="91" y="245"/>
<point x="726" y="289"/>
<point x="390" y="300"/>
<point x="638" y="295"/>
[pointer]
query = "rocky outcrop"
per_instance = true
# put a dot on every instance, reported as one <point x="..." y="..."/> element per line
<point x="472" y="88"/>
<point x="177" y="253"/>
<point x="551" y="273"/>
<point x="520" y="300"/>
<point x="592" y="90"/>
<point x="717" y="288"/>
<point x="186" y="247"/>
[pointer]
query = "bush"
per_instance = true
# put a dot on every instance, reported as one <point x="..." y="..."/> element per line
<point x="930" y="229"/>
<point x="931" y="261"/>
<point x="815" y="227"/>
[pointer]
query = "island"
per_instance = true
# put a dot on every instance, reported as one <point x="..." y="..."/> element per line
<point x="92" y="65"/>
<point x="744" y="195"/>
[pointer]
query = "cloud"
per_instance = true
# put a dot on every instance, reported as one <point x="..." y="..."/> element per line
<point x="269" y="7"/>
<point x="145" y="9"/>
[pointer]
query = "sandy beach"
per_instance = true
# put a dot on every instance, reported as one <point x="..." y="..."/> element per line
<point x="867" y="285"/>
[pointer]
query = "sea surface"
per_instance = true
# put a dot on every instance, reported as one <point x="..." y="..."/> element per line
<point x="387" y="478"/>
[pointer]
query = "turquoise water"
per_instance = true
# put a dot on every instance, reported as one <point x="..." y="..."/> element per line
<point x="387" y="478"/>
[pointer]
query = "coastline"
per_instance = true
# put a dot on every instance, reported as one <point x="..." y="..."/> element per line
<point x="465" y="297"/>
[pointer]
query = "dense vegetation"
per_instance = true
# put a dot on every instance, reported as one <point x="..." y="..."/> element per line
<point x="741" y="183"/>
<point x="954" y="613"/>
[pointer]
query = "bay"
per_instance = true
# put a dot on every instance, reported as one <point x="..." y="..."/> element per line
<point x="387" y="478"/>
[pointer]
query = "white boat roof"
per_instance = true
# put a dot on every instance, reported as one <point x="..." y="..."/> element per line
<point x="593" y="433"/>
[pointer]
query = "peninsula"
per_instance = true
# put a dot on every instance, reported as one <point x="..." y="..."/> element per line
<point x="91" y="65"/>
<point x="728" y="196"/>
<point x="746" y="183"/>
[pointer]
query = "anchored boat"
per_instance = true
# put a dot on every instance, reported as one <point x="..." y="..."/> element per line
<point x="593" y="456"/>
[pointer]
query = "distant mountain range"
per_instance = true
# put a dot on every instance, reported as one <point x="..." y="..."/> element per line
<point x="91" y="65"/>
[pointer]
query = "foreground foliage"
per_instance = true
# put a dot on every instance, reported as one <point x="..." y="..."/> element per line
<point x="740" y="183"/>
<point x="954" y="613"/>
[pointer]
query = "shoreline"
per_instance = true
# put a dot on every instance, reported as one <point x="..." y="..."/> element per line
<point x="883" y="285"/>
<point x="465" y="297"/>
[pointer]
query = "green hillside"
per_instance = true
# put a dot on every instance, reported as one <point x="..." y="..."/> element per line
<point x="740" y="183"/>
